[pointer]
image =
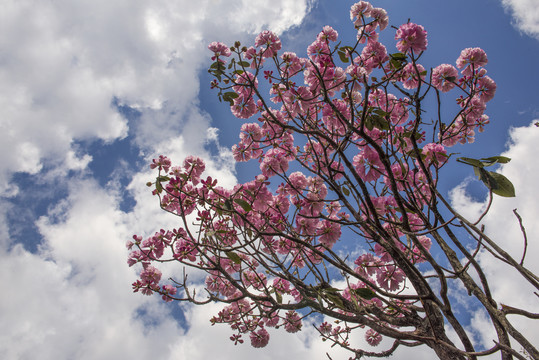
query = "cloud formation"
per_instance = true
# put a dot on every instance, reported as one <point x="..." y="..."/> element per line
<point x="64" y="65"/>
<point x="525" y="15"/>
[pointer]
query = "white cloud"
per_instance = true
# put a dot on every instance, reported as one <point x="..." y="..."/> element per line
<point x="73" y="298"/>
<point x="63" y="64"/>
<point x="525" y="15"/>
<point x="501" y="224"/>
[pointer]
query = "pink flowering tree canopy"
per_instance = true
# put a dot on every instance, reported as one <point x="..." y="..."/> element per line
<point x="348" y="158"/>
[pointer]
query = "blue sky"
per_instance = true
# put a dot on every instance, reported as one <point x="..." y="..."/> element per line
<point x="91" y="91"/>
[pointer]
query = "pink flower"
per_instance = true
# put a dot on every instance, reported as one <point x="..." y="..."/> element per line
<point x="219" y="49"/>
<point x="325" y="328"/>
<point x="256" y="280"/>
<point x="251" y="131"/>
<point x="417" y="253"/>
<point x="486" y="87"/>
<point x="318" y="50"/>
<point x="137" y="256"/>
<point x="292" y="322"/>
<point x="292" y="64"/>
<point x="244" y="83"/>
<point x="329" y="232"/>
<point x="389" y="277"/>
<point x="185" y="250"/>
<point x="435" y="153"/>
<point x="359" y="10"/>
<point x="328" y="33"/>
<point x="380" y="17"/>
<point x="168" y="291"/>
<point x="271" y="41"/>
<point x="372" y="337"/>
<point x="260" y="338"/>
<point x="410" y="78"/>
<point x="471" y="57"/>
<point x="374" y="55"/>
<point x="367" y="164"/>
<point x="194" y="166"/>
<point x="281" y="286"/>
<point x="274" y="162"/>
<point x="367" y="264"/>
<point x="411" y="36"/>
<point x="444" y="77"/>
<point x="244" y="108"/>
<point x="150" y="275"/>
<point x="306" y="226"/>
<point x="162" y="163"/>
<point x="297" y="183"/>
<point x="251" y="54"/>
<point x="359" y="74"/>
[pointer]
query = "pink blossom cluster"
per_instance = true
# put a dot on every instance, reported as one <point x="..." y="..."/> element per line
<point x="479" y="89"/>
<point x="411" y="37"/>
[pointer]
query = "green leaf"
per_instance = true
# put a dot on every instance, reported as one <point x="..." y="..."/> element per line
<point x="495" y="160"/>
<point x="335" y="299"/>
<point x="398" y="56"/>
<point x="409" y="134"/>
<point x="233" y="256"/>
<point x="504" y="187"/>
<point x="379" y="122"/>
<point x="365" y="293"/>
<point x="163" y="178"/>
<point x="331" y="290"/>
<point x="279" y="297"/>
<point x="476" y="172"/>
<point x="159" y="187"/>
<point x="230" y="96"/>
<point x="395" y="64"/>
<point x="380" y="112"/>
<point x="228" y="205"/>
<point x="470" y="161"/>
<point x="368" y="123"/>
<point x="345" y="190"/>
<point x="497" y="183"/>
<point x="485" y="177"/>
<point x="244" y="204"/>
<point x="244" y="64"/>
<point x="343" y="56"/>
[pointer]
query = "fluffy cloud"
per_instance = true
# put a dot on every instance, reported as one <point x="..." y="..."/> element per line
<point x="525" y="15"/>
<point x="64" y="66"/>
<point x="72" y="299"/>
<point x="501" y="224"/>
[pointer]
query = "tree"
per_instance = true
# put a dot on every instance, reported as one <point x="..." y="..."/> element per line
<point x="347" y="155"/>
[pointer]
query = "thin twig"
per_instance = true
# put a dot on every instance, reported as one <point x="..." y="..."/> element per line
<point x="524" y="234"/>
